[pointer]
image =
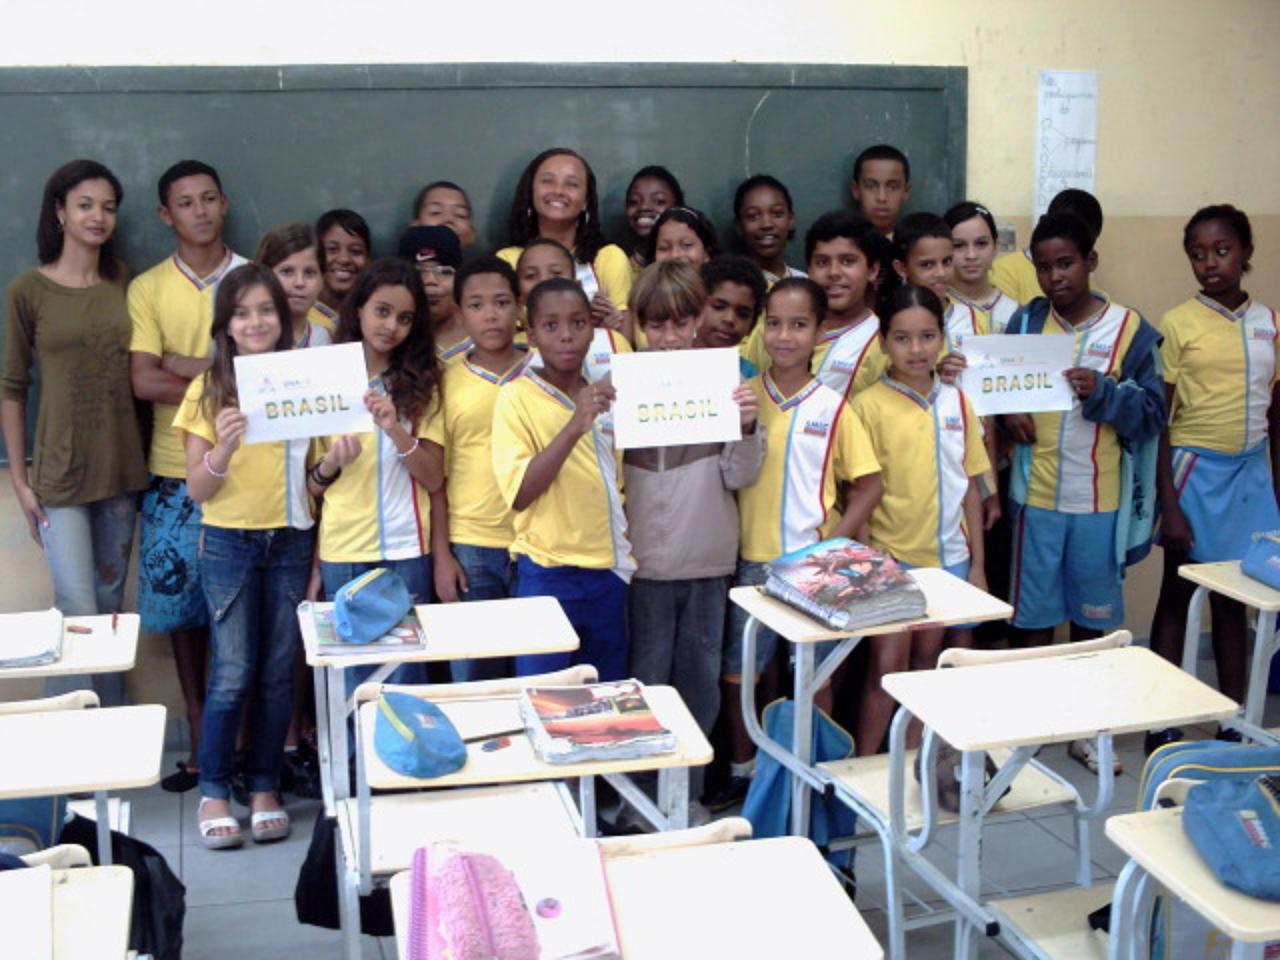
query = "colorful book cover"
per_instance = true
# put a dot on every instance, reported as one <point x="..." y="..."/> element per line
<point x="406" y="635"/>
<point x="845" y="584"/>
<point x="593" y="721"/>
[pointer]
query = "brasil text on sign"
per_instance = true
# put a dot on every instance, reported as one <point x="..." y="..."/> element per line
<point x="291" y="394"/>
<point x="1017" y="373"/>
<point x="677" y="397"/>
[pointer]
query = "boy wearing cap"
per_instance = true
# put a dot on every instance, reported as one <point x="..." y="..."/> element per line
<point x="436" y="254"/>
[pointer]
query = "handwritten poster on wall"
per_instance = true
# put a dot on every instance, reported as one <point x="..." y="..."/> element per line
<point x="1066" y="134"/>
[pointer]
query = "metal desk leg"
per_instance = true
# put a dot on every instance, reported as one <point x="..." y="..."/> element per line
<point x="322" y="737"/>
<point x="1191" y="638"/>
<point x="102" y="810"/>
<point x="339" y="768"/>
<point x="587" y="804"/>
<point x="802" y="737"/>
<point x="1124" y="922"/>
<point x="1264" y="647"/>
<point x="969" y="856"/>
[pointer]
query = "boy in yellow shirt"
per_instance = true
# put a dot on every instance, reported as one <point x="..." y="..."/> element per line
<point x="556" y="466"/>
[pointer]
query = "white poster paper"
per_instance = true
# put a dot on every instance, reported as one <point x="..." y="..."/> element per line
<point x="1066" y="134"/>
<point x="291" y="394"/>
<point x="671" y="398"/>
<point x="1017" y="373"/>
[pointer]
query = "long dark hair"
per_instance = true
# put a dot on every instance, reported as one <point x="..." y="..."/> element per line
<point x="220" y="388"/>
<point x="522" y="221"/>
<point x="49" y="234"/>
<point x="413" y="373"/>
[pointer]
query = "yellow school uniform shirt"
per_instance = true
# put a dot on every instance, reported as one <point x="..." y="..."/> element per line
<point x="999" y="308"/>
<point x="1222" y="365"/>
<point x="478" y="515"/>
<point x="1015" y="275"/>
<point x="451" y="355"/>
<point x="266" y="483"/>
<point x="578" y="521"/>
<point x="610" y="269"/>
<point x="324" y="316"/>
<point x="172" y="312"/>
<point x="375" y="510"/>
<point x="927" y="447"/>
<point x="848" y="359"/>
<point x="961" y="321"/>
<point x="813" y="443"/>
<point x="1075" y="463"/>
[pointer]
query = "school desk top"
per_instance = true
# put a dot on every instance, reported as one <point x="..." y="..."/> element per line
<point x="1053" y="699"/>
<point x="91" y="912"/>
<point x="1226" y="578"/>
<point x="1157" y="840"/>
<point x="752" y="900"/>
<point x="518" y="762"/>
<point x="950" y="601"/>
<point x="102" y="650"/>
<point x="465" y="631"/>
<point x="70" y="751"/>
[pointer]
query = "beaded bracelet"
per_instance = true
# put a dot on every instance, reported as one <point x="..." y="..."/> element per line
<point x="401" y="456"/>
<point x="320" y="479"/>
<point x="208" y="465"/>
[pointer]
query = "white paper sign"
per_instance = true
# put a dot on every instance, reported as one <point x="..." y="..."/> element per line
<point x="1019" y="373"/>
<point x="1066" y="134"/>
<point x="291" y="394"/>
<point x="677" y="397"/>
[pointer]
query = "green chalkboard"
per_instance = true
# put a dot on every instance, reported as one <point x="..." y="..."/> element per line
<point x="291" y="142"/>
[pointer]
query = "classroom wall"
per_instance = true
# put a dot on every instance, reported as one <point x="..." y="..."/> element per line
<point x="1184" y="119"/>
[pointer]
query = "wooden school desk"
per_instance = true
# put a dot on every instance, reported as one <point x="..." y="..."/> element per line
<point x="102" y="650"/>
<point x="1022" y="705"/>
<point x="1229" y="580"/>
<point x="752" y="900"/>
<point x="1160" y="850"/>
<point x="950" y="601"/>
<point x="72" y="751"/>
<point x="478" y="630"/>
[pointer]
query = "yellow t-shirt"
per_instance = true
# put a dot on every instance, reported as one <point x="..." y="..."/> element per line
<point x="464" y="428"/>
<point x="578" y="521"/>
<point x="451" y="355"/>
<point x="1222" y="365"/>
<point x="928" y="448"/>
<point x="1015" y="275"/>
<point x="375" y="510"/>
<point x="812" y="443"/>
<point x="266" y="484"/>
<point x="610" y="269"/>
<point x="1075" y="463"/>
<point x="172" y="312"/>
<point x="961" y="321"/>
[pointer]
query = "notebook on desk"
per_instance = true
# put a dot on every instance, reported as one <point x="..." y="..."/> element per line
<point x="30" y="639"/>
<point x="406" y="635"/>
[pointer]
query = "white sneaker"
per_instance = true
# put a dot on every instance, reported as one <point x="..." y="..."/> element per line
<point x="1086" y="752"/>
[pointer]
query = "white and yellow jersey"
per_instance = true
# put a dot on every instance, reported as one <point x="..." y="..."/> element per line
<point x="849" y="359"/>
<point x="961" y="321"/>
<point x="1222" y="365"/>
<point x="812" y="444"/>
<point x="999" y="309"/>
<point x="928" y="447"/>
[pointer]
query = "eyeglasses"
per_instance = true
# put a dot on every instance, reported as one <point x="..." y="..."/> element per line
<point x="436" y="270"/>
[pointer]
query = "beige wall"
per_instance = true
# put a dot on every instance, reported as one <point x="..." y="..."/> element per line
<point x="1185" y="111"/>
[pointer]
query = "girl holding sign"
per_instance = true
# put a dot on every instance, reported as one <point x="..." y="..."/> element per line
<point x="375" y="485"/>
<point x="256" y="546"/>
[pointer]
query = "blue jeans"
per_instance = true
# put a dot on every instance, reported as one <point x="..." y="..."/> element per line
<point x="491" y="575"/>
<point x="253" y="582"/>
<point x="87" y="547"/>
<point x="416" y="574"/>
<point x="595" y="601"/>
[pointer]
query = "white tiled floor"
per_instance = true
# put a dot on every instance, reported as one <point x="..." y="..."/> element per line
<point x="240" y="903"/>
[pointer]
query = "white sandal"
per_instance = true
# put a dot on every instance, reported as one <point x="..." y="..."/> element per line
<point x="218" y="841"/>
<point x="268" y="834"/>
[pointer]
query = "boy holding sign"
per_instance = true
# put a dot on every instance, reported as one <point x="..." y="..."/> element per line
<point x="557" y="468"/>
<point x="683" y="515"/>
<point x="1065" y="484"/>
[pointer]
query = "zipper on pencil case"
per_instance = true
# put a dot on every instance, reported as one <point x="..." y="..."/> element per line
<point x="362" y="581"/>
